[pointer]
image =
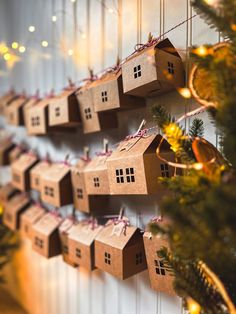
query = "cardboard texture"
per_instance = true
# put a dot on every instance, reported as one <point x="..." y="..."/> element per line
<point x="161" y="280"/>
<point x="45" y="234"/>
<point x="13" y="210"/>
<point x="6" y="193"/>
<point x="82" y="201"/>
<point x="56" y="188"/>
<point x="96" y="176"/>
<point x="93" y="121"/>
<point x="14" y="112"/>
<point x="6" y="101"/>
<point x="134" y="168"/>
<point x="120" y="255"/>
<point x="30" y="103"/>
<point x="15" y="153"/>
<point x="153" y="70"/>
<point x="6" y="146"/>
<point x="64" y="110"/>
<point x="36" y="173"/>
<point x="108" y="93"/>
<point x="81" y="244"/>
<point x="21" y="171"/>
<point x="64" y="232"/>
<point x="29" y="217"/>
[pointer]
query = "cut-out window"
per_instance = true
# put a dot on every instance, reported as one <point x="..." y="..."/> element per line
<point x="16" y="177"/>
<point x="78" y="252"/>
<point x="139" y="258"/>
<point x="165" y="170"/>
<point x="79" y="193"/>
<point x="49" y="191"/>
<point x="160" y="267"/>
<point x="57" y="111"/>
<point x="119" y="176"/>
<point x="96" y="182"/>
<point x="104" y="96"/>
<point x="137" y="71"/>
<point x="88" y="113"/>
<point x="130" y="175"/>
<point x="65" y="249"/>
<point x="38" y="242"/>
<point x="107" y="258"/>
<point x="171" y="68"/>
<point x="35" y="121"/>
<point x="36" y="181"/>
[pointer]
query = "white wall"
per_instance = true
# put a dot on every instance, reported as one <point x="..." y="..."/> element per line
<point x="51" y="287"/>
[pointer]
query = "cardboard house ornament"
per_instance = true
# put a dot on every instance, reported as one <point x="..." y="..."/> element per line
<point x="119" y="249"/>
<point x="64" y="109"/>
<point x="29" y="217"/>
<point x="153" y="69"/>
<point x="108" y="93"/>
<point x="32" y="101"/>
<point x="45" y="235"/>
<point x="6" y="146"/>
<point x="134" y="168"/>
<point x="93" y="121"/>
<point x="13" y="210"/>
<point x="96" y="176"/>
<point x="82" y="200"/>
<point x="64" y="232"/>
<point x="56" y="188"/>
<point x="16" y="152"/>
<point x="36" y="173"/>
<point x="20" y="170"/>
<point x="161" y="278"/>
<point x="6" y="100"/>
<point x="14" y="112"/>
<point x="7" y="191"/>
<point x="81" y="243"/>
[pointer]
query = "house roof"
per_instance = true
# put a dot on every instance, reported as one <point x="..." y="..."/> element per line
<point x="6" y="144"/>
<point x="40" y="167"/>
<point x="47" y="224"/>
<point x="97" y="163"/>
<point x="17" y="202"/>
<point x="66" y="225"/>
<point x="108" y="76"/>
<point x="19" y="102"/>
<point x="107" y="236"/>
<point x="33" y="212"/>
<point x="24" y="162"/>
<point x="84" y="233"/>
<point x="56" y="172"/>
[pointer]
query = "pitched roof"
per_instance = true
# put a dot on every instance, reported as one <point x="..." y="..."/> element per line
<point x="56" y="172"/>
<point x="84" y="233"/>
<point x="97" y="163"/>
<point x="47" y="224"/>
<point x="24" y="162"/>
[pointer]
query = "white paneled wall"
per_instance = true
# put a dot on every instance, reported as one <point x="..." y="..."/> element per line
<point x="50" y="286"/>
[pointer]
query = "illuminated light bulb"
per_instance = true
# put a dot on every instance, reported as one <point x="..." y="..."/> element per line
<point x="44" y="43"/>
<point x="7" y="56"/>
<point x="185" y="92"/>
<point x="110" y="10"/>
<point x="83" y="36"/>
<point x="73" y="1"/>
<point x="31" y="28"/>
<point x="15" y="45"/>
<point x="201" y="51"/>
<point x="70" y="52"/>
<point x="4" y="49"/>
<point x="22" y="49"/>
<point x="214" y="3"/>
<point x="54" y="18"/>
<point x="198" y="166"/>
<point x="193" y="307"/>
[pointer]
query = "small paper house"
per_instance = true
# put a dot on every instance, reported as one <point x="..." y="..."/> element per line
<point x="108" y="93"/>
<point x="82" y="201"/>
<point x="14" y="112"/>
<point x="29" y="217"/>
<point x="64" y="110"/>
<point x="13" y="209"/>
<point x="64" y="231"/>
<point x="6" y="193"/>
<point x="56" y="188"/>
<point x="153" y="70"/>
<point x="81" y="244"/>
<point x="6" y="146"/>
<point x="16" y="152"/>
<point x="160" y="277"/>
<point x="21" y="171"/>
<point x="36" y="173"/>
<point x="6" y="100"/>
<point x="120" y="253"/>
<point x="93" y="121"/>
<point x="46" y="239"/>
<point x="134" y="168"/>
<point x="30" y="103"/>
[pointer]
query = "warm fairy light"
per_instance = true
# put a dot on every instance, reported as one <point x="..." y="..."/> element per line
<point x="193" y="307"/>
<point x="22" y="49"/>
<point x="54" y="18"/>
<point x="83" y="36"/>
<point x="211" y="2"/>
<point x="185" y="92"/>
<point x="15" y="45"/>
<point x="73" y="1"/>
<point x="31" y="28"/>
<point x="233" y="27"/>
<point x="7" y="56"/>
<point x="110" y="10"/>
<point x="198" y="166"/>
<point x="3" y="49"/>
<point x="70" y="52"/>
<point x="44" y="43"/>
<point x="201" y="51"/>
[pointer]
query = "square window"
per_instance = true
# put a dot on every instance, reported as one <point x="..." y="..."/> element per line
<point x="65" y="249"/>
<point x="137" y="71"/>
<point x="130" y="177"/>
<point x="36" y="181"/>
<point x="104" y="96"/>
<point x="119" y="176"/>
<point x="79" y="193"/>
<point x="78" y="252"/>
<point x="57" y="111"/>
<point x="139" y="258"/>
<point x="107" y="258"/>
<point x="165" y="170"/>
<point x="88" y="114"/>
<point x="160" y="267"/>
<point x="171" y="68"/>
<point x="96" y="182"/>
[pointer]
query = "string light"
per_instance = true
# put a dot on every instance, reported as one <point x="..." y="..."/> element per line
<point x="54" y="18"/>
<point x="110" y="10"/>
<point x="15" y="45"/>
<point x="73" y="1"/>
<point x="3" y="49"/>
<point x="83" y="36"/>
<point x="201" y="51"/>
<point x="7" y="56"/>
<point x="193" y="307"/>
<point x="198" y="166"/>
<point x="44" y="43"/>
<point x="70" y="52"/>
<point x="185" y="92"/>
<point x="31" y="28"/>
<point x="22" y="49"/>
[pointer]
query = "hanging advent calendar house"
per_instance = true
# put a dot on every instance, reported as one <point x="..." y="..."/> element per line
<point x="154" y="69"/>
<point x="134" y="168"/>
<point x="29" y="217"/>
<point x="21" y="171"/>
<point x="159" y="273"/>
<point x="6" y="193"/>
<point x="64" y="109"/>
<point x="56" y="188"/>
<point x="81" y="243"/>
<point x="36" y="173"/>
<point x="14" y="112"/>
<point x="93" y="121"/>
<point x="13" y="210"/>
<point x="64" y="232"/>
<point x="6" y="99"/>
<point x="30" y="103"/>
<point x="16" y="152"/>
<point x="45" y="235"/>
<point x="108" y="93"/>
<point x="6" y="146"/>
<point x="119" y="250"/>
